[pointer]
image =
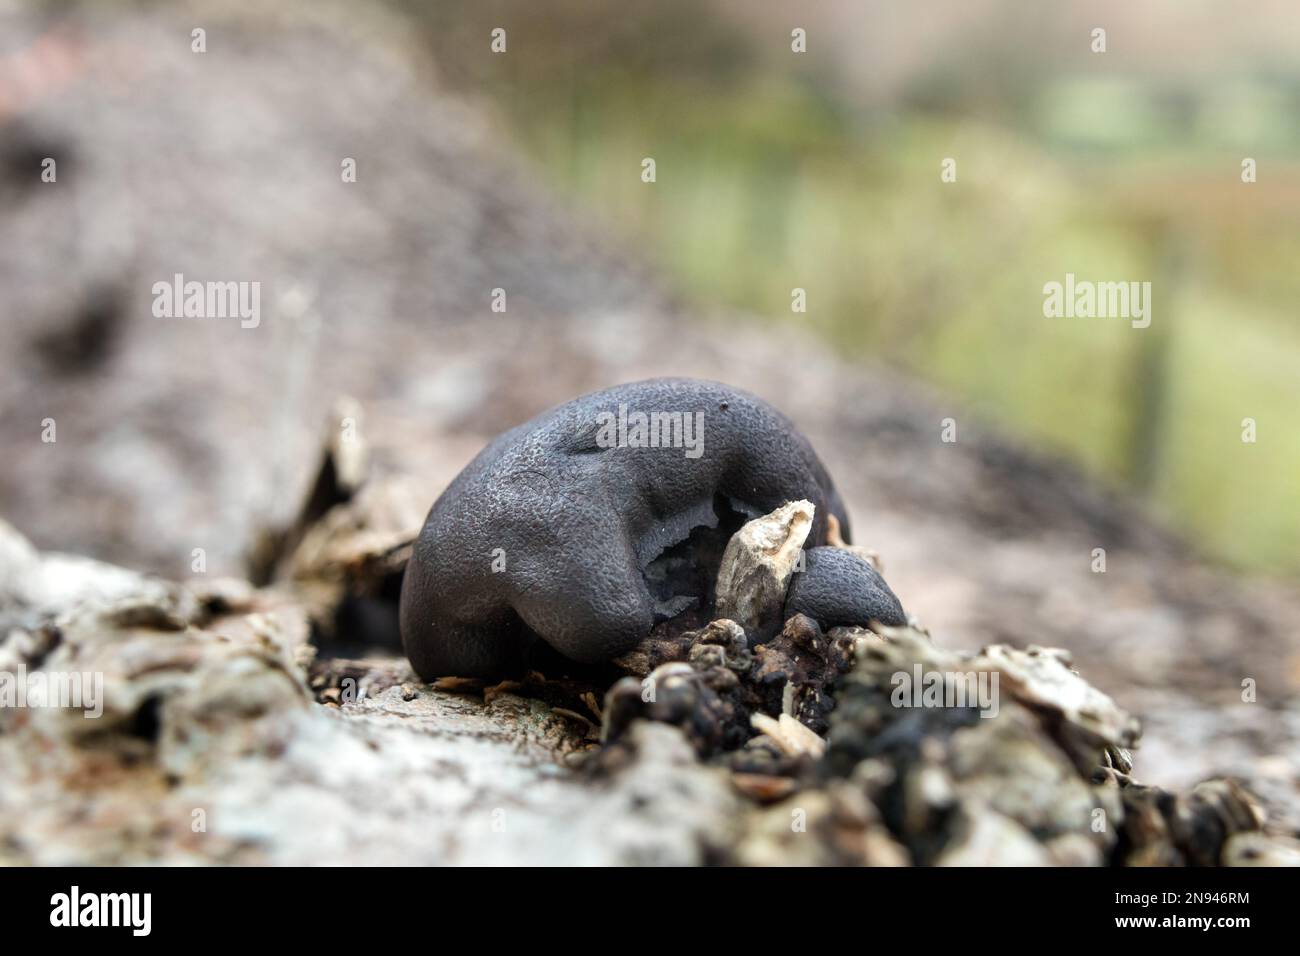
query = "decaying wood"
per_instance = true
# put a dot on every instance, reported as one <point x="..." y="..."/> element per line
<point x="224" y="737"/>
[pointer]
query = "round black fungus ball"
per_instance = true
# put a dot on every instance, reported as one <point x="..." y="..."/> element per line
<point x="838" y="588"/>
<point x="551" y="531"/>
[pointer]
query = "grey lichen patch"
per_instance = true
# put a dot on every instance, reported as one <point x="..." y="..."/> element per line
<point x="1019" y="772"/>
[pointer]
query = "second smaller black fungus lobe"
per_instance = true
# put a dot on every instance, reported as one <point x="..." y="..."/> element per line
<point x="838" y="588"/>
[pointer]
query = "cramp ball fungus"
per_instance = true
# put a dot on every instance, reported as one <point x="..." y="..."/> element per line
<point x="839" y="588"/>
<point x="598" y="519"/>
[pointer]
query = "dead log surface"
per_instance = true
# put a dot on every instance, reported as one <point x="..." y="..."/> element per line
<point x="175" y="436"/>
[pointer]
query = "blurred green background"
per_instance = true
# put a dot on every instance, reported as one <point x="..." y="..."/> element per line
<point x="821" y="170"/>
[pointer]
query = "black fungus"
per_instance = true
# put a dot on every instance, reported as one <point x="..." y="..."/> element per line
<point x="837" y="588"/>
<point x="550" y="531"/>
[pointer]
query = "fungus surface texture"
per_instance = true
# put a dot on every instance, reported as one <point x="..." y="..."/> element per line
<point x="598" y="519"/>
<point x="839" y="588"/>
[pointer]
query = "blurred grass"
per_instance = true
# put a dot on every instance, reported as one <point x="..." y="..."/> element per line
<point x="769" y="180"/>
